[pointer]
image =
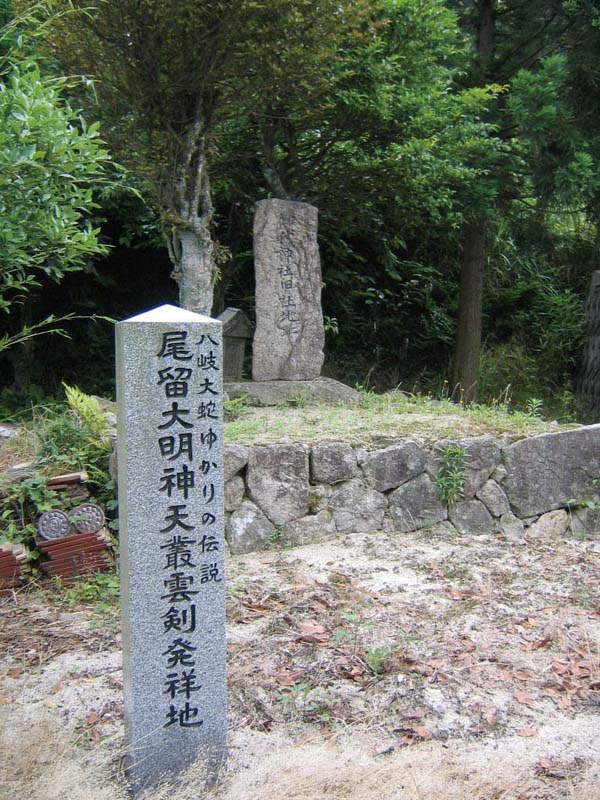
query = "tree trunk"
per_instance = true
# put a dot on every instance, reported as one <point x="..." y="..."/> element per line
<point x="467" y="347"/>
<point x="465" y="370"/>
<point x="196" y="269"/>
<point x="22" y="355"/>
<point x="189" y="213"/>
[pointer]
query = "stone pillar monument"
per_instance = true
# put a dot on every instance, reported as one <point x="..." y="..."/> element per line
<point x="289" y="337"/>
<point x="170" y="445"/>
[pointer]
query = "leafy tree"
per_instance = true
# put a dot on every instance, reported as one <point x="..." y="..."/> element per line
<point x="392" y="153"/>
<point x="169" y="73"/>
<point x="50" y="163"/>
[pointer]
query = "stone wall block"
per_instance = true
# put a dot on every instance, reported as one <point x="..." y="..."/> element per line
<point x="554" y="525"/>
<point x="415" y="505"/>
<point x="357" y="508"/>
<point x="545" y="472"/>
<point x="313" y="528"/>
<point x="500" y="473"/>
<point x="512" y="527"/>
<point x="471" y="516"/>
<point x="495" y="500"/>
<point x="277" y="480"/>
<point x="233" y="493"/>
<point x="248" y="529"/>
<point x="235" y="458"/>
<point x="482" y="456"/>
<point x="391" y="467"/>
<point x="319" y="496"/>
<point x="332" y="463"/>
<point x="585" y="521"/>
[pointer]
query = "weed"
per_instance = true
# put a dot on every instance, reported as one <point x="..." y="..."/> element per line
<point x="236" y="406"/>
<point x="77" y="437"/>
<point x="101" y="588"/>
<point x="376" y="659"/>
<point x="290" y="694"/>
<point x="450" y="479"/>
<point x="274" y="538"/>
<point x="533" y="407"/>
<point x="394" y="413"/>
<point x="22" y="502"/>
<point x="301" y="400"/>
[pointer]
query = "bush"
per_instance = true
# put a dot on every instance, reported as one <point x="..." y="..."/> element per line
<point x="73" y="437"/>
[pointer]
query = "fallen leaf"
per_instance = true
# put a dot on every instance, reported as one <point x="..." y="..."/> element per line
<point x="526" y="732"/>
<point x="423" y="732"/>
<point x="288" y="677"/>
<point x="437" y="663"/>
<point x="312" y="633"/>
<point x="386" y="751"/>
<point x="414" y="713"/>
<point x="525" y="699"/>
<point x="92" y="718"/>
<point x="536" y="644"/>
<point x="56" y="688"/>
<point x="462" y="594"/>
<point x="14" y="672"/>
<point x="563" y="702"/>
<point x="523" y="675"/>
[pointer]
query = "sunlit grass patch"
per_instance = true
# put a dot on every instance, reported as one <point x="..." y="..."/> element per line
<point x="393" y="414"/>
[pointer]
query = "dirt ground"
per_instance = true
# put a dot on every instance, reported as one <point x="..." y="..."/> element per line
<point x="375" y="667"/>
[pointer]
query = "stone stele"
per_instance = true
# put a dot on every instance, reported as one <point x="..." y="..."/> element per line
<point x="170" y="442"/>
<point x="289" y="336"/>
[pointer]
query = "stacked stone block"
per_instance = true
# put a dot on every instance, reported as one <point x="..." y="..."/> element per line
<point x="293" y="494"/>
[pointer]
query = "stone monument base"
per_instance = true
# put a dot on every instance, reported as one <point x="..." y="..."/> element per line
<point x="272" y="393"/>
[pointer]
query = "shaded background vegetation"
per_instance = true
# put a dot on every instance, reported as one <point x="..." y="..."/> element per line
<point x="401" y="137"/>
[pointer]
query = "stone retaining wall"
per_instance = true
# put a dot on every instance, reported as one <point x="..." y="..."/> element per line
<point x="295" y="494"/>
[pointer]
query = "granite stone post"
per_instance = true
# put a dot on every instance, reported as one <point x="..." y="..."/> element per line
<point x="170" y="444"/>
<point x="289" y="336"/>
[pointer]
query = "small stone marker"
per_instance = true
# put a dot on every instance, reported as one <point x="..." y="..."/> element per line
<point x="289" y="337"/>
<point x="237" y="329"/>
<point x="170" y="440"/>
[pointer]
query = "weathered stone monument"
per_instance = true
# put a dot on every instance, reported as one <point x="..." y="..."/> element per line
<point x="170" y="440"/>
<point x="588" y="389"/>
<point x="237" y="329"/>
<point x="289" y="337"/>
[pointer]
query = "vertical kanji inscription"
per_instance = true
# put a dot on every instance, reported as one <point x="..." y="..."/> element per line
<point x="170" y="407"/>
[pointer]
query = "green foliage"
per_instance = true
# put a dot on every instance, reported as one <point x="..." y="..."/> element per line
<point x="78" y="437"/>
<point x="450" y="478"/>
<point x="534" y="407"/>
<point x="377" y="113"/>
<point x="101" y="589"/>
<point x="50" y="163"/>
<point x="377" y="658"/>
<point x="21" y="503"/>
<point x="236" y="406"/>
<point x="73" y="438"/>
<point x="89" y="416"/>
<point x="507" y="374"/>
